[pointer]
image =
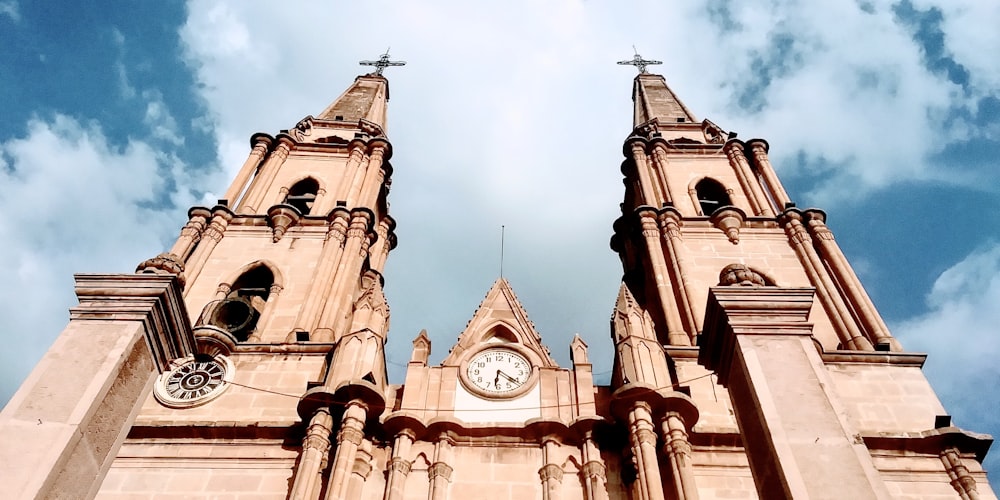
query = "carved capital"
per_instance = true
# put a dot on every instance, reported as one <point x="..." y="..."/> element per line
<point x="440" y="469"/>
<point x="550" y="471"/>
<point x="644" y="436"/>
<point x="401" y="465"/>
<point x="275" y="289"/>
<point x="362" y="467"/>
<point x="316" y="442"/>
<point x="350" y="435"/>
<point x="594" y="469"/>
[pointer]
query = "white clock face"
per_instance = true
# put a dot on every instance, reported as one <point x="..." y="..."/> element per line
<point x="498" y="371"/>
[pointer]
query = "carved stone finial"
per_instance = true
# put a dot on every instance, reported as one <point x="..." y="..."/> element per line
<point x="165" y="263"/>
<point x="740" y="275"/>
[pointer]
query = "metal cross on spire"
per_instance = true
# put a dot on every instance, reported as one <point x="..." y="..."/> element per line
<point x="382" y="63"/>
<point x="639" y="62"/>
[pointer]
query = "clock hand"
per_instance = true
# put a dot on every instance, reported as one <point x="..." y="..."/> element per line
<point x="496" y="381"/>
<point x="508" y="377"/>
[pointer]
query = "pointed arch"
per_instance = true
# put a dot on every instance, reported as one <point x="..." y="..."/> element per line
<point x="709" y="195"/>
<point x="250" y="294"/>
<point x="303" y="194"/>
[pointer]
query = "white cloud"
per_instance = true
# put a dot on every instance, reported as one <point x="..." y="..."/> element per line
<point x="72" y="203"/>
<point x="10" y="9"/>
<point x="960" y="332"/>
<point x="159" y="120"/>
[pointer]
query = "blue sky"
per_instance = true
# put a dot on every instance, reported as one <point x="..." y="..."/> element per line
<point x="118" y="117"/>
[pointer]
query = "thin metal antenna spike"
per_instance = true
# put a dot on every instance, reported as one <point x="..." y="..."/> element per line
<point x="382" y="63"/>
<point x="639" y="62"/>
<point x="501" y="250"/>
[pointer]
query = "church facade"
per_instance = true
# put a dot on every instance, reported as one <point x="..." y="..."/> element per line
<point x="247" y="362"/>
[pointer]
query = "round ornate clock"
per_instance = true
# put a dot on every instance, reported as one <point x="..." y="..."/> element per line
<point x="498" y="372"/>
<point x="194" y="381"/>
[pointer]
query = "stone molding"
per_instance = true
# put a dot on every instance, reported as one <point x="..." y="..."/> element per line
<point x="153" y="299"/>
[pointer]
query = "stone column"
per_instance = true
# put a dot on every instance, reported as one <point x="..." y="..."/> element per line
<point x="594" y="471"/>
<point x="349" y="437"/>
<point x="333" y="246"/>
<point x="844" y="273"/>
<point x="357" y="165"/>
<point x="267" y="315"/>
<point x="660" y="157"/>
<point x="440" y="472"/>
<point x="200" y="255"/>
<point x="551" y="474"/>
<point x="380" y="251"/>
<point x="664" y="289"/>
<point x="251" y="203"/>
<point x="248" y="168"/>
<point x="315" y="447"/>
<point x="399" y="466"/>
<point x="191" y="232"/>
<point x="642" y="438"/>
<point x="361" y="470"/>
<point x="759" y="149"/>
<point x="670" y="230"/>
<point x="759" y="342"/>
<point x="961" y="480"/>
<point x="348" y="274"/>
<point x="367" y="195"/>
<point x="850" y="335"/>
<point x="678" y="449"/>
<point x="641" y="162"/>
<point x="758" y="202"/>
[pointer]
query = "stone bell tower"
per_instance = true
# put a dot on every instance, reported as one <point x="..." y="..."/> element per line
<point x="737" y="298"/>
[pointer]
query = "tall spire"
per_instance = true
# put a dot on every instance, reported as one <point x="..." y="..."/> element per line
<point x="366" y="100"/>
<point x="654" y="99"/>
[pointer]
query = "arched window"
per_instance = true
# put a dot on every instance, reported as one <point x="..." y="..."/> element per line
<point x="239" y="312"/>
<point x="302" y="195"/>
<point x="711" y="195"/>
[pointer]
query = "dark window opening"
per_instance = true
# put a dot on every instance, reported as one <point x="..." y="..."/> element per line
<point x="302" y="195"/>
<point x="711" y="196"/>
<point x="239" y="312"/>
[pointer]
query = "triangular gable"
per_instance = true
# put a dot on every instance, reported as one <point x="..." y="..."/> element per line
<point x="500" y="318"/>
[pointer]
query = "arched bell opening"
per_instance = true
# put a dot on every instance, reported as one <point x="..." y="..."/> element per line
<point x="302" y="195"/>
<point x="711" y="195"/>
<point x="240" y="311"/>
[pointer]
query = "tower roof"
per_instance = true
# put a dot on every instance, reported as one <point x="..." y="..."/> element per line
<point x="654" y="99"/>
<point x="365" y="99"/>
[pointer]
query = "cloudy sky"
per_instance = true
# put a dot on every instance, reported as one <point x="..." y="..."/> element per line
<point x="117" y="117"/>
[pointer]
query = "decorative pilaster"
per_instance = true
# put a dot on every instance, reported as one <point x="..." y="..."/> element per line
<point x="641" y="162"/>
<point x="852" y="288"/>
<point x="368" y="193"/>
<point x="336" y="309"/>
<point x="333" y="246"/>
<point x="267" y="315"/>
<point x="361" y="470"/>
<point x="399" y="467"/>
<point x="642" y="438"/>
<point x="551" y="474"/>
<point x="211" y="237"/>
<point x="758" y="202"/>
<point x="349" y="438"/>
<point x="851" y="337"/>
<point x="664" y="289"/>
<point x="191" y="232"/>
<point x="261" y="144"/>
<point x="315" y="448"/>
<point x="678" y="449"/>
<point x="670" y="230"/>
<point x="262" y="182"/>
<point x="661" y="162"/>
<point x="759" y="148"/>
<point x="440" y="472"/>
<point x="593" y="473"/>
<point x="961" y="480"/>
